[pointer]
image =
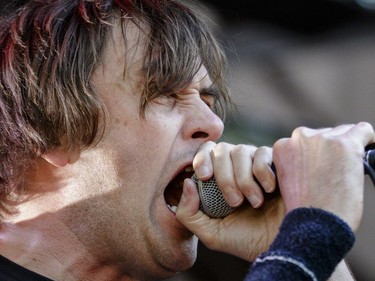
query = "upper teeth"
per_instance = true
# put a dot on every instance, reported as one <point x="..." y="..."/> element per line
<point x="189" y="169"/>
<point x="172" y="208"/>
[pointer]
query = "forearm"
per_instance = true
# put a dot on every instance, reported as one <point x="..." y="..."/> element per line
<point x="342" y="273"/>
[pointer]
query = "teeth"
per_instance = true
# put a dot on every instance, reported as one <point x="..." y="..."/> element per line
<point x="172" y="208"/>
<point x="189" y="169"/>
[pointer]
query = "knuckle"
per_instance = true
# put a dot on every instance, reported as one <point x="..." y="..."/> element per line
<point x="249" y="190"/>
<point x="243" y="182"/>
<point x="264" y="149"/>
<point x="222" y="146"/>
<point x="241" y="149"/>
<point x="366" y="126"/>
<point x="279" y="144"/>
<point x="247" y="185"/>
<point x="263" y="152"/>
<point x="300" y="131"/>
<point x="225" y="185"/>
<point x="206" y="147"/>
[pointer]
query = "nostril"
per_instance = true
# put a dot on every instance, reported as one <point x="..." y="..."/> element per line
<point x="199" y="135"/>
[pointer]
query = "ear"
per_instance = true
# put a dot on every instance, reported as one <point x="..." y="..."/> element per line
<point x="57" y="158"/>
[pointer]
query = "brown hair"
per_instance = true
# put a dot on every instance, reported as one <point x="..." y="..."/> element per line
<point x="48" y="52"/>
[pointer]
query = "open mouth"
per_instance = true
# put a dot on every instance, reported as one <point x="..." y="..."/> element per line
<point x="173" y="191"/>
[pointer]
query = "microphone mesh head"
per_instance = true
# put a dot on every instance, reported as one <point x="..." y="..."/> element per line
<point x="212" y="201"/>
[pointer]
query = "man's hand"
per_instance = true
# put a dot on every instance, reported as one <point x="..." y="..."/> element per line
<point x="324" y="169"/>
<point x="320" y="168"/>
<point x="239" y="170"/>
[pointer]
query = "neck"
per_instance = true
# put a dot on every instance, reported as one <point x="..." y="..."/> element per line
<point x="32" y="244"/>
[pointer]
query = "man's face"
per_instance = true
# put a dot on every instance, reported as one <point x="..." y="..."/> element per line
<point x="123" y="214"/>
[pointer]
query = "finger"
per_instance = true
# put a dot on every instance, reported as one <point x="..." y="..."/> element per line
<point x="190" y="216"/>
<point x="202" y="163"/>
<point x="363" y="132"/>
<point x="188" y="206"/>
<point x="262" y="168"/>
<point x="242" y="158"/>
<point x="224" y="174"/>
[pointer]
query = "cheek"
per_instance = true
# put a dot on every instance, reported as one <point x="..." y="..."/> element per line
<point x="132" y="159"/>
<point x="137" y="149"/>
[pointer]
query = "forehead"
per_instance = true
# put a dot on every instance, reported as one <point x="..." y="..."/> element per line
<point x="201" y="79"/>
<point x="124" y="56"/>
<point x="124" y="52"/>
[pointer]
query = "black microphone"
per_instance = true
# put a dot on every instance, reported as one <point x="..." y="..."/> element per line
<point x="212" y="201"/>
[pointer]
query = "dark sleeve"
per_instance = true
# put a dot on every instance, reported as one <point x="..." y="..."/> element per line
<point x="310" y="244"/>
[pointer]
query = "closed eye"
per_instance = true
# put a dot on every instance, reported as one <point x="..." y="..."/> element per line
<point x="210" y="97"/>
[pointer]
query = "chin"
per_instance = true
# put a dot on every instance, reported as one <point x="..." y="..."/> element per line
<point x="166" y="263"/>
<point x="183" y="257"/>
<point x="170" y="267"/>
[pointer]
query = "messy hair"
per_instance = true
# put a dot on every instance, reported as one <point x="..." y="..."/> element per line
<point x="49" y="50"/>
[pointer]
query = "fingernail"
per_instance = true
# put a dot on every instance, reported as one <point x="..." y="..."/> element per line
<point x="185" y="192"/>
<point x="233" y="199"/>
<point x="254" y="201"/>
<point x="267" y="186"/>
<point x="202" y="172"/>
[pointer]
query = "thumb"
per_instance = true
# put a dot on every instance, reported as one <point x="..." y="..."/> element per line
<point x="188" y="212"/>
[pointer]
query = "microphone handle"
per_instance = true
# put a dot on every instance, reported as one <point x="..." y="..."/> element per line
<point x="213" y="204"/>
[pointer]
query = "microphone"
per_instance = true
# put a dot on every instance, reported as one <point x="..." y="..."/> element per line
<point x="212" y="201"/>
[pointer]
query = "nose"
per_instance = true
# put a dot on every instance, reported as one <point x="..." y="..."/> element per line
<point x="203" y="124"/>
